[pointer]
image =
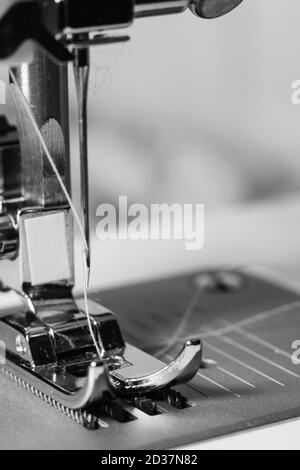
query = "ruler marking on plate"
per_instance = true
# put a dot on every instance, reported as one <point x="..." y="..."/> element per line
<point x="234" y="359"/>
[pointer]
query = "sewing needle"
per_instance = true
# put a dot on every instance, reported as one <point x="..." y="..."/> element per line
<point x="82" y="72"/>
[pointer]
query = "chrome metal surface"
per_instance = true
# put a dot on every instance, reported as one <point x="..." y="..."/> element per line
<point x="180" y="371"/>
<point x="10" y="171"/>
<point x="9" y="237"/>
<point x="80" y="384"/>
<point x="54" y="383"/>
<point x="159" y="7"/>
<point x="56" y="331"/>
<point x="46" y="332"/>
<point x="83" y="41"/>
<point x="45" y="87"/>
<point x="52" y="349"/>
<point x="44" y="265"/>
<point x="210" y="9"/>
<point x="49" y="22"/>
<point x="82" y="73"/>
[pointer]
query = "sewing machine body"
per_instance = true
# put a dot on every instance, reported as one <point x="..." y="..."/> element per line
<point x="71" y="352"/>
<point x="75" y="354"/>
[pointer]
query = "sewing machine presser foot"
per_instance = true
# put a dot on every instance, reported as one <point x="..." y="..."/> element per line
<point x="53" y="355"/>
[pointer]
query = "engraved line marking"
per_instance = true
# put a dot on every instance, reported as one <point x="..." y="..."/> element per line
<point x="261" y="341"/>
<point x="241" y="363"/>
<point x="219" y="385"/>
<point x="255" y="319"/>
<point x="240" y="346"/>
<point x="236" y="377"/>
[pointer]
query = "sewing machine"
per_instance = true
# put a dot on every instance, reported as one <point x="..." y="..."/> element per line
<point x="71" y="352"/>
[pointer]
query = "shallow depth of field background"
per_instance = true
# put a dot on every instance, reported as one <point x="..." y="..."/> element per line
<point x="197" y="111"/>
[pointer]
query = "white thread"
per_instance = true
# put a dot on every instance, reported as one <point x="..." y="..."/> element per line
<point x="182" y="325"/>
<point x="51" y="161"/>
<point x="179" y="334"/>
<point x="73" y="209"/>
<point x="285" y="308"/>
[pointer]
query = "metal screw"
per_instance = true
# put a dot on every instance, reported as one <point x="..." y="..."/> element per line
<point x="21" y="345"/>
<point x="230" y="281"/>
<point x="205" y="281"/>
<point x="219" y="281"/>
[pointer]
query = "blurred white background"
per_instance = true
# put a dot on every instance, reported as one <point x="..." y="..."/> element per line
<point x="197" y="111"/>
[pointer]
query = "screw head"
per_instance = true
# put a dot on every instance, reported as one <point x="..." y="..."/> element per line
<point x="21" y="345"/>
<point x="205" y="282"/>
<point x="219" y="281"/>
<point x="210" y="9"/>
